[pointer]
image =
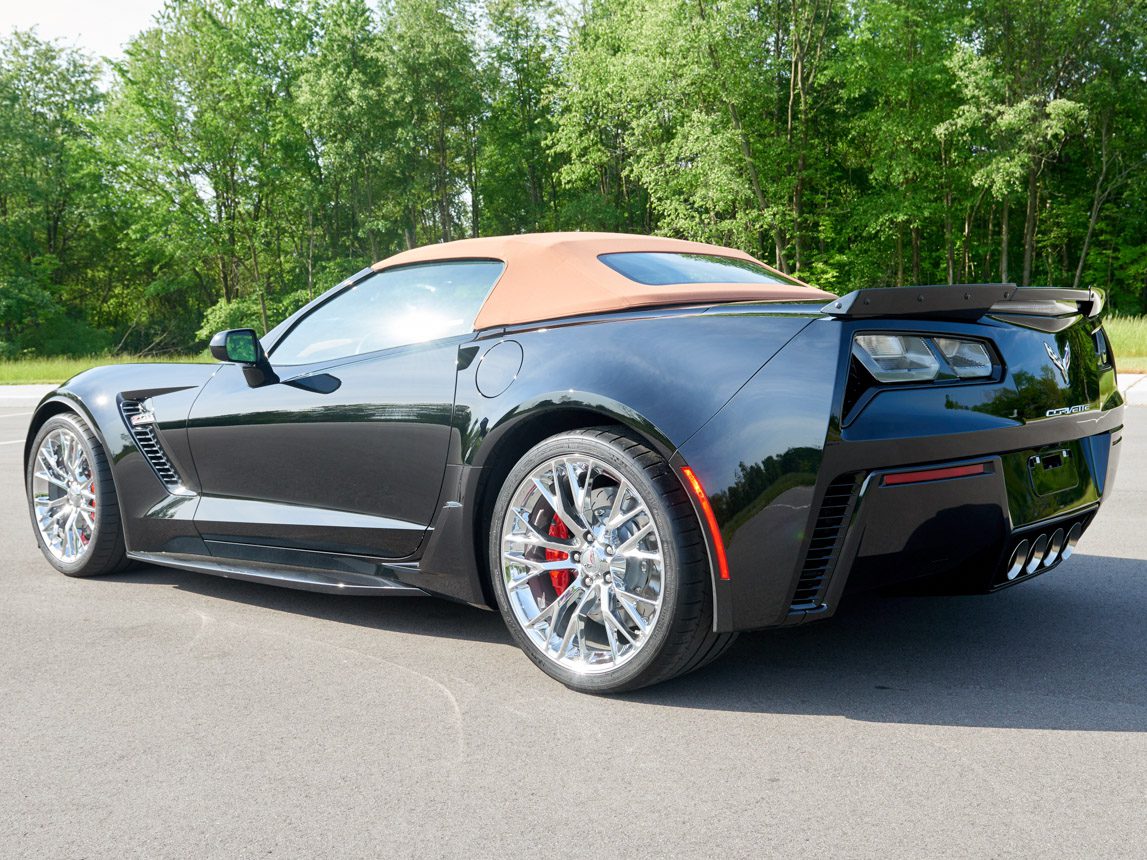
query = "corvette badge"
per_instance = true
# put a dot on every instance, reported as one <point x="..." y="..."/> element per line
<point x="1062" y="364"/>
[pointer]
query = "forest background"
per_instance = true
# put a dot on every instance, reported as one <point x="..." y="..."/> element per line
<point x="244" y="155"/>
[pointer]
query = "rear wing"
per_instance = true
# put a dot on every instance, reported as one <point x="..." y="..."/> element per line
<point x="966" y="301"/>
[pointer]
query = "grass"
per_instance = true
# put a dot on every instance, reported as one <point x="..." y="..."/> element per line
<point x="1129" y="341"/>
<point x="1128" y="338"/>
<point x="56" y="369"/>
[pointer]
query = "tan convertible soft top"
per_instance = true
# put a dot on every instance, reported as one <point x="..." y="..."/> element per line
<point x="553" y="275"/>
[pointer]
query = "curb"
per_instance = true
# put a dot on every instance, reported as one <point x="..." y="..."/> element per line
<point x="1134" y="388"/>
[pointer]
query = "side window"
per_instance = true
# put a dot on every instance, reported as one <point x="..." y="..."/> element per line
<point x="394" y="307"/>
<point x="665" y="268"/>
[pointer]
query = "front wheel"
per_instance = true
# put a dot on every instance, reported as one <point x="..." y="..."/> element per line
<point x="72" y="500"/>
<point x="599" y="564"/>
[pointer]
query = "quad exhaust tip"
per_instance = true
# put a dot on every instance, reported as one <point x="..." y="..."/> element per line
<point x="1019" y="557"/>
<point x="1043" y="551"/>
<point x="1037" y="554"/>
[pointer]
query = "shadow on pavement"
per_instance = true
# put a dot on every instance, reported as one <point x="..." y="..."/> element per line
<point x="425" y="616"/>
<point x="1066" y="651"/>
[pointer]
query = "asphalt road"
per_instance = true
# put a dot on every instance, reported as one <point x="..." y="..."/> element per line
<point x="168" y="714"/>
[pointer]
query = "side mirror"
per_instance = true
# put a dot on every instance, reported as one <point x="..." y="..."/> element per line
<point x="241" y="346"/>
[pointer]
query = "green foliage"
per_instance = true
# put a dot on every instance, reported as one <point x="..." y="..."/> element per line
<point x="67" y="336"/>
<point x="245" y="155"/>
<point x="247" y="312"/>
<point x="1128" y="341"/>
<point x="516" y="173"/>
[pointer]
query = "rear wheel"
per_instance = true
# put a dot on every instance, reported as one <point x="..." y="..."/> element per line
<point x="72" y="501"/>
<point x="600" y="566"/>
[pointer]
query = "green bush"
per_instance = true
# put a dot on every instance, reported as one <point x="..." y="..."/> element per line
<point x="245" y="312"/>
<point x="63" y="335"/>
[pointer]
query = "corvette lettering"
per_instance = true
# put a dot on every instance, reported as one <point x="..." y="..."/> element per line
<point x="1068" y="410"/>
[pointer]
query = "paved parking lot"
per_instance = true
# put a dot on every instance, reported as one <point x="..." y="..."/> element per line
<point x="168" y="714"/>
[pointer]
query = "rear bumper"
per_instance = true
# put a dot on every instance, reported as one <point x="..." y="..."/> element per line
<point x="808" y="543"/>
<point x="987" y="522"/>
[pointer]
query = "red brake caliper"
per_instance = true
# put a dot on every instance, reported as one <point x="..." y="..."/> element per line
<point x="560" y="578"/>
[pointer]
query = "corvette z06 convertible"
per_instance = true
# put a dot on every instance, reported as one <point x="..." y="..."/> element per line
<point x="631" y="447"/>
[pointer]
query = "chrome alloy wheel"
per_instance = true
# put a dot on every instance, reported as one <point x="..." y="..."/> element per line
<point x="582" y="564"/>
<point x="64" y="496"/>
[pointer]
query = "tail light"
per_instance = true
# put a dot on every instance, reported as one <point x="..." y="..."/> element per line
<point x="892" y="358"/>
<point x="968" y="358"/>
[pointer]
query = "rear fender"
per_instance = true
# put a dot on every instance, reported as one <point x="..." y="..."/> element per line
<point x="759" y="461"/>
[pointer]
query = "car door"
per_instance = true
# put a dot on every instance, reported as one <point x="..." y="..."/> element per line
<point x="345" y="453"/>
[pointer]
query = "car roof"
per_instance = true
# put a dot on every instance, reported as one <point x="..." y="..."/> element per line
<point x="553" y="275"/>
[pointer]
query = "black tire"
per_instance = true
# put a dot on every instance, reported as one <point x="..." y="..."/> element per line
<point x="682" y="639"/>
<point x="106" y="553"/>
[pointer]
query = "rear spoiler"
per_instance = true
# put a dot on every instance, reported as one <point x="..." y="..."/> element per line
<point x="965" y="301"/>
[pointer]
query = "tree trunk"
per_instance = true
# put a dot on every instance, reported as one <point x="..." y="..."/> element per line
<point x="371" y="237"/>
<point x="987" y="270"/>
<point x="262" y="287"/>
<point x="310" y="254"/>
<point x="1097" y="199"/>
<point x="746" y="149"/>
<point x="472" y="165"/>
<point x="1004" y="244"/>
<point x="948" y="245"/>
<point x="443" y="183"/>
<point x="965" y="263"/>
<point x="1029" y="225"/>
<point x="899" y="256"/>
<point x="915" y="254"/>
<point x="754" y="177"/>
<point x="410" y="230"/>
<point x="798" y="192"/>
<point x="969" y="217"/>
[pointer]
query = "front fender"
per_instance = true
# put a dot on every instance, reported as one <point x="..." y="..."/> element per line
<point x="150" y="519"/>
<point x="63" y="400"/>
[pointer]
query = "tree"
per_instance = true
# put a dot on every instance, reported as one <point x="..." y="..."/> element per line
<point x="518" y="190"/>
<point x="246" y="154"/>
<point x="201" y="134"/>
<point x="49" y="231"/>
<point x="433" y="88"/>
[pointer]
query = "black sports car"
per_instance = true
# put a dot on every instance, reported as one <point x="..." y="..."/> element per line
<point x="633" y="447"/>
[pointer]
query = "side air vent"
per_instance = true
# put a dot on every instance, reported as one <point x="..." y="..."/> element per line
<point x="835" y="510"/>
<point x="858" y="384"/>
<point x="141" y="423"/>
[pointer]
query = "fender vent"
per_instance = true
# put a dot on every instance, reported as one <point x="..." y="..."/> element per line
<point x="140" y="422"/>
<point x="824" y="545"/>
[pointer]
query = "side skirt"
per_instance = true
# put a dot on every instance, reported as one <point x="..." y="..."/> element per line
<point x="330" y="582"/>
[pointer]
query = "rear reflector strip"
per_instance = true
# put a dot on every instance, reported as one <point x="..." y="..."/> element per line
<point x="711" y="520"/>
<point x="933" y="474"/>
